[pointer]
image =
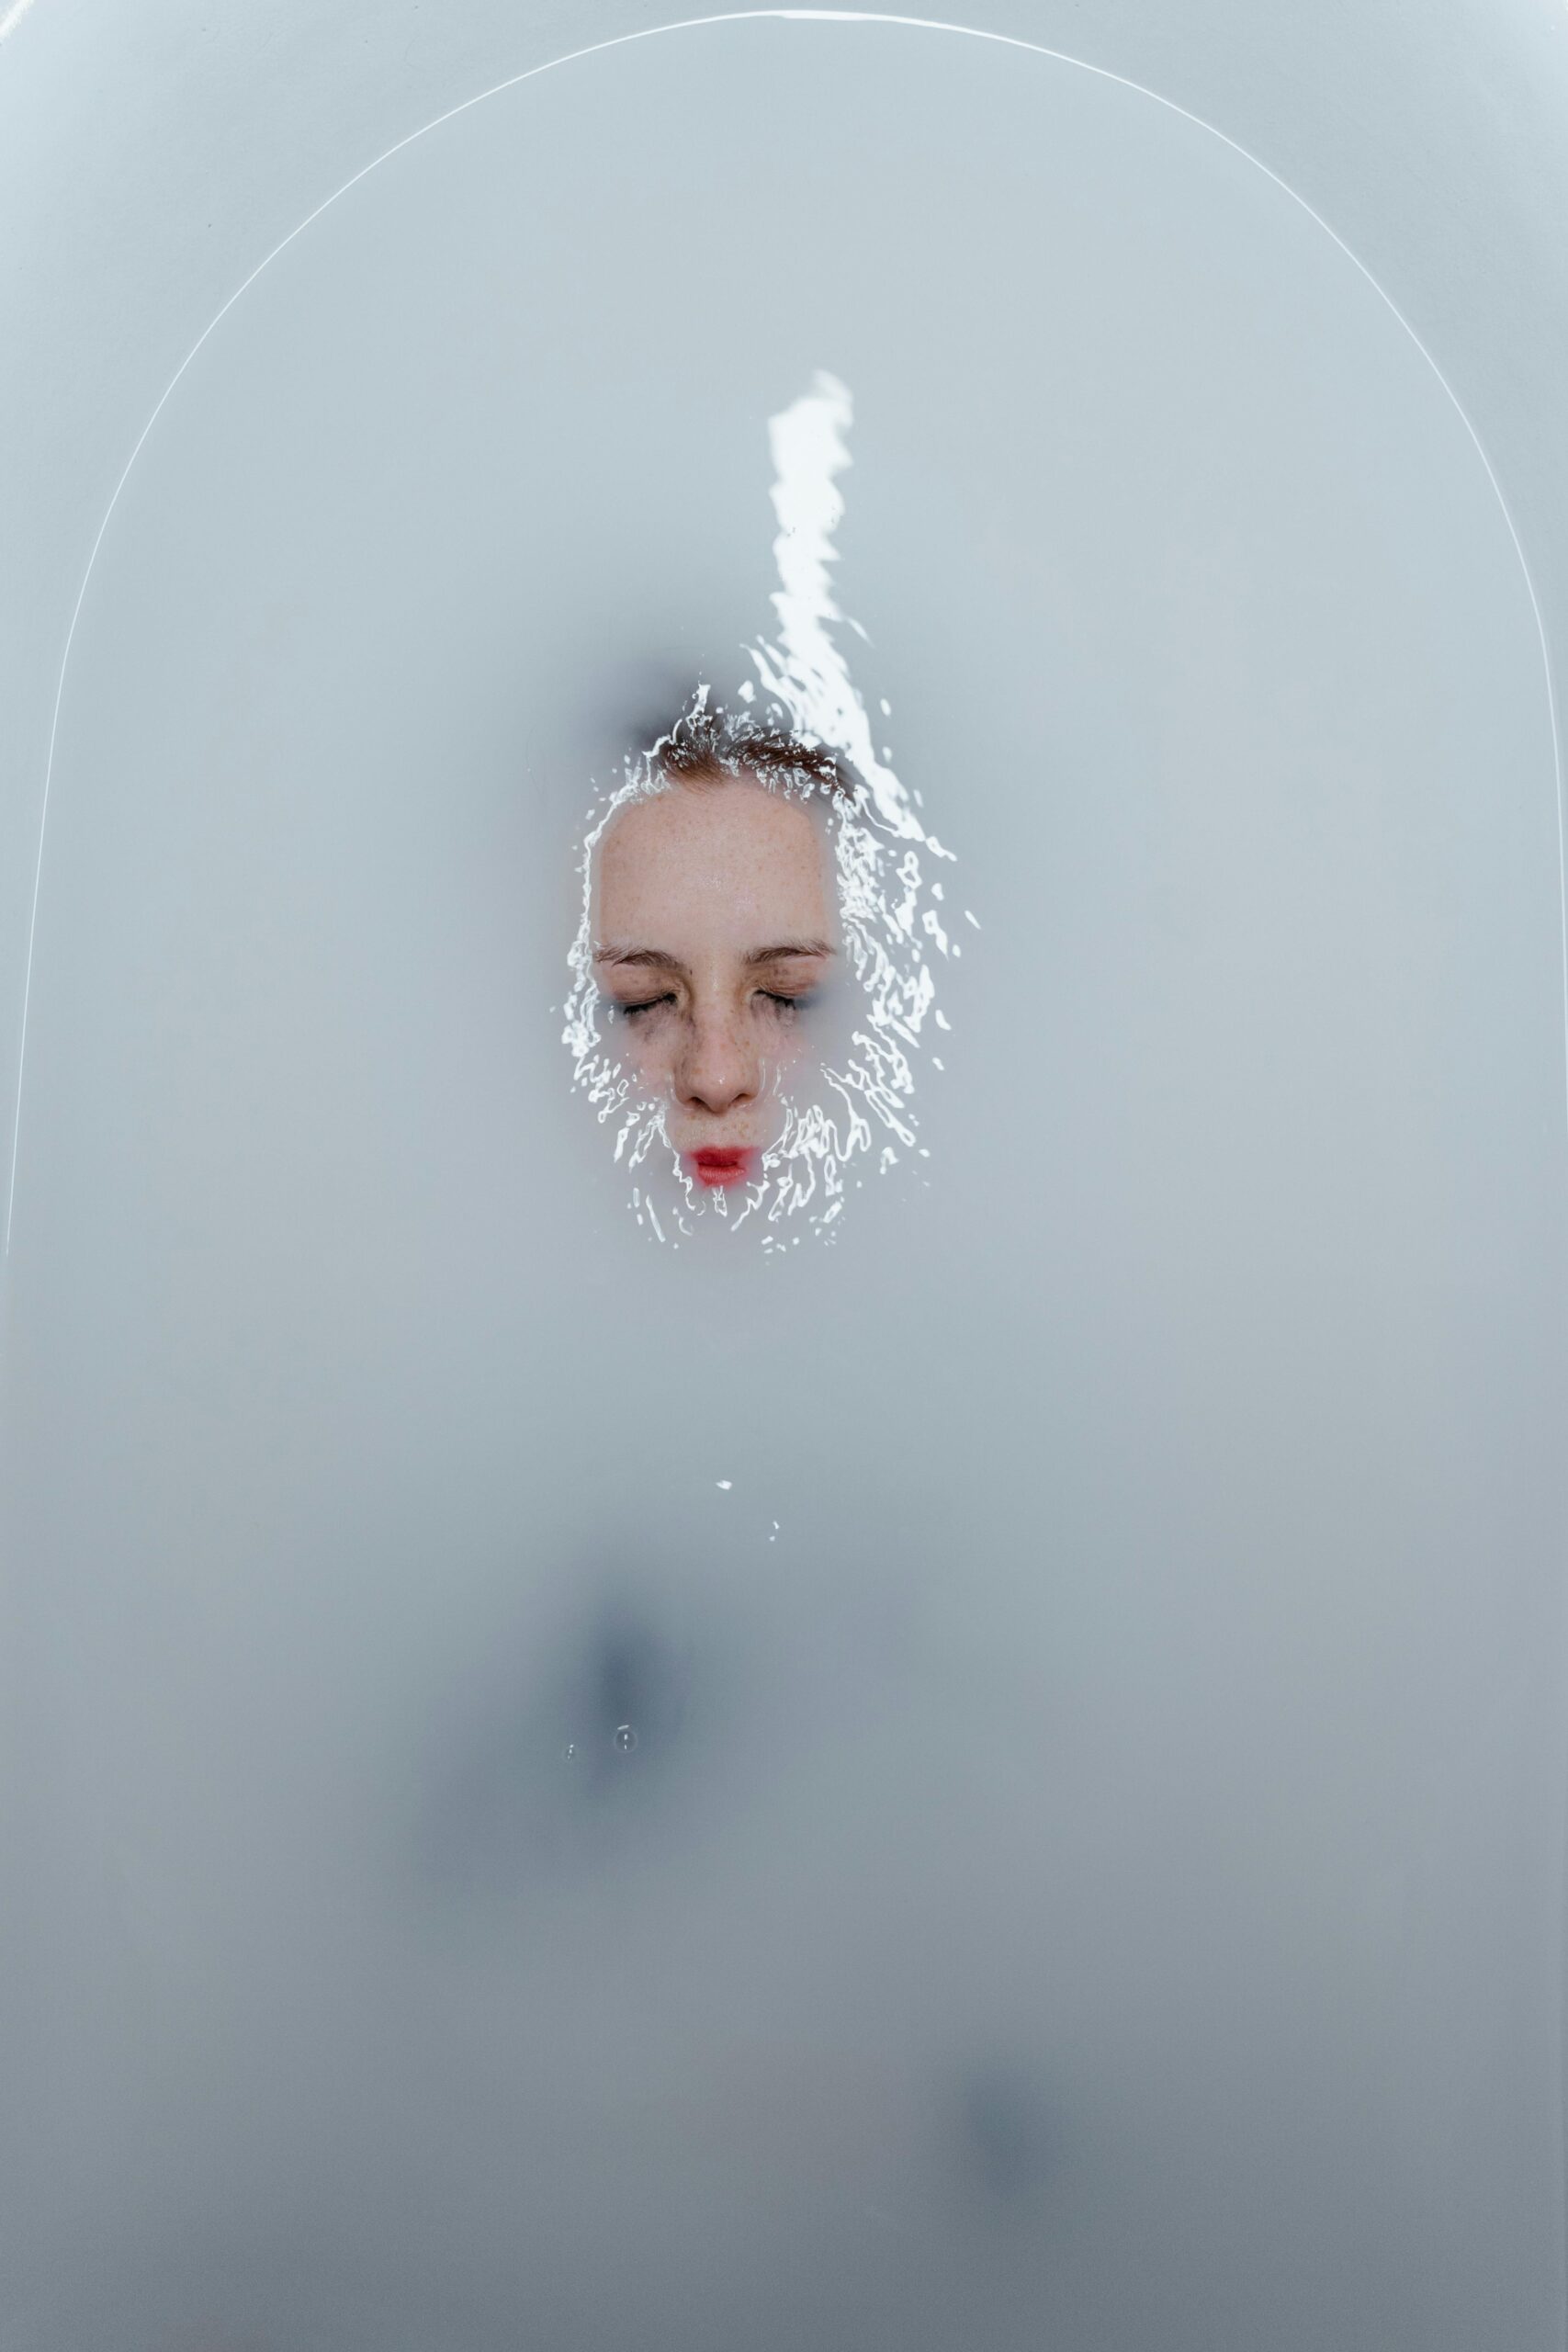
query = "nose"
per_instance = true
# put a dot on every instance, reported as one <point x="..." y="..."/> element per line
<point x="717" y="1067"/>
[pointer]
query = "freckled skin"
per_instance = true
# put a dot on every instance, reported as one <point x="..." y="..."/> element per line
<point x="709" y="875"/>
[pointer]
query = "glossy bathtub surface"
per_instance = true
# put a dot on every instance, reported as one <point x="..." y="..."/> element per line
<point x="989" y="1783"/>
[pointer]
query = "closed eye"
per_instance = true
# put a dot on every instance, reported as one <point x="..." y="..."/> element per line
<point x="647" y="1004"/>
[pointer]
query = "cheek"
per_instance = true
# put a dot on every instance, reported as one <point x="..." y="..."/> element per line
<point x="782" y="1044"/>
<point x="648" y="1053"/>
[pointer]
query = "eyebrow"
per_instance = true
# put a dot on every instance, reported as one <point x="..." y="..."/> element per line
<point x="653" y="956"/>
<point x="775" y="954"/>
<point x="656" y="959"/>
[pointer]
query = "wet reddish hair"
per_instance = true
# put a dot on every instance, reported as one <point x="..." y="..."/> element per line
<point x="709" y="745"/>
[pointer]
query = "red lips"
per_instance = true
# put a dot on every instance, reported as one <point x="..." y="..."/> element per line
<point x="713" y="1167"/>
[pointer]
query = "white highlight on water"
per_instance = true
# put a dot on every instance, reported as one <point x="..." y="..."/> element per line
<point x="894" y="935"/>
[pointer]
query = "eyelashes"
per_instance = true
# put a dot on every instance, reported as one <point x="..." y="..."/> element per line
<point x="779" y="1004"/>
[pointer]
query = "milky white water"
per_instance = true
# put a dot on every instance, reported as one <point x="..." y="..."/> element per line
<point x="995" y="1784"/>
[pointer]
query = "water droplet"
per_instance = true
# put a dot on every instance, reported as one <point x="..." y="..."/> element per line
<point x="625" y="1738"/>
<point x="569" y="1753"/>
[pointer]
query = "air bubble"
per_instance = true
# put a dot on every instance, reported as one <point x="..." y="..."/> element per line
<point x="625" y="1738"/>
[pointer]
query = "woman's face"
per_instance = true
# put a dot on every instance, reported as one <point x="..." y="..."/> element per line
<point x="714" y="930"/>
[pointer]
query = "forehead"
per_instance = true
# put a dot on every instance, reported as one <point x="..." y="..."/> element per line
<point x="731" y="859"/>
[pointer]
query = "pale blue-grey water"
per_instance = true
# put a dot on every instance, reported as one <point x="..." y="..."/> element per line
<point x="995" y="1781"/>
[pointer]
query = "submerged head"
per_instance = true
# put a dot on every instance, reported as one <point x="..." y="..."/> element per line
<point x="714" y="931"/>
